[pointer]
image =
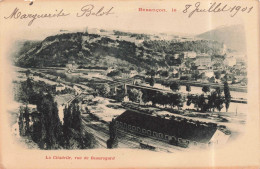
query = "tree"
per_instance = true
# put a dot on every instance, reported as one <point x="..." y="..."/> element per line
<point x="176" y="100"/>
<point x="195" y="75"/>
<point x="203" y="75"/>
<point x="86" y="140"/>
<point x="227" y="95"/>
<point x="188" y="89"/>
<point x="212" y="79"/>
<point x="147" y="96"/>
<point x="114" y="73"/>
<point x="179" y="101"/>
<point x="50" y="121"/>
<point x="67" y="123"/>
<point x="165" y="73"/>
<point x="152" y="81"/>
<point x="27" y="120"/>
<point x="104" y="90"/>
<point x="26" y="91"/>
<point x="233" y="80"/>
<point x="74" y="136"/>
<point x="217" y="74"/>
<point x="175" y="86"/>
<point x="195" y="101"/>
<point x="112" y="141"/>
<point x="76" y="118"/>
<point x="27" y="73"/>
<point x="162" y="98"/>
<point x="202" y="103"/>
<point x="120" y="95"/>
<point x="212" y="101"/>
<point x="21" y="122"/>
<point x="151" y="72"/>
<point x="37" y="131"/>
<point x="189" y="100"/>
<point x="206" y="89"/>
<point x="135" y="95"/>
<point x="218" y="90"/>
<point x="219" y="102"/>
<point x="188" y="63"/>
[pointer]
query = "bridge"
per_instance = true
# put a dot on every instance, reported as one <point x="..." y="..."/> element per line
<point x="130" y="83"/>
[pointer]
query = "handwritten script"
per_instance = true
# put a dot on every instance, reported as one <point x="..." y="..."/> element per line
<point x="85" y="11"/>
<point x="90" y="10"/>
<point x="215" y="7"/>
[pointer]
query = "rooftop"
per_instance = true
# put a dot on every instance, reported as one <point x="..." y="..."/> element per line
<point x="59" y="85"/>
<point x="180" y="128"/>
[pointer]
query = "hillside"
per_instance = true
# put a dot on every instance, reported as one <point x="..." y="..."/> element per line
<point x="233" y="36"/>
<point x="99" y="50"/>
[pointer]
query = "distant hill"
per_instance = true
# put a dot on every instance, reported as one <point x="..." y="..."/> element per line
<point x="99" y="50"/>
<point x="233" y="36"/>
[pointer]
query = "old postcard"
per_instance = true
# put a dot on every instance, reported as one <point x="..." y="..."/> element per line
<point x="129" y="84"/>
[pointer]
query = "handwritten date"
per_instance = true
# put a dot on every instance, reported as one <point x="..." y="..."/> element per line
<point x="215" y="8"/>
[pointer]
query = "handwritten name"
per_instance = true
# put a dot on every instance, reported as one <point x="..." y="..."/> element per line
<point x="215" y="8"/>
<point x="87" y="10"/>
<point x="17" y="14"/>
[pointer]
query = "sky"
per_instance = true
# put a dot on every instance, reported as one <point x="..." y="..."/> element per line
<point x="125" y="18"/>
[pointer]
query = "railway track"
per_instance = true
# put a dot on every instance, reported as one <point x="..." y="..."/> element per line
<point x="100" y="139"/>
<point x="123" y="141"/>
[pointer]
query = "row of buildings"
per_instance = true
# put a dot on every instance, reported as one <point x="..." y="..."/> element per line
<point x="203" y="59"/>
<point x="205" y="64"/>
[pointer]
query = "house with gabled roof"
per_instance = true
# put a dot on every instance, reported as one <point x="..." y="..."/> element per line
<point x="60" y="87"/>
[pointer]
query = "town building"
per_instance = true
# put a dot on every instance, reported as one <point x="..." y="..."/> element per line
<point x="207" y="70"/>
<point x="190" y="54"/>
<point x="71" y="65"/>
<point x="15" y="129"/>
<point x="129" y="73"/>
<point x="110" y="69"/>
<point x="139" y="41"/>
<point x="203" y="60"/>
<point x="239" y="78"/>
<point x="175" y="73"/>
<point x="202" y="69"/>
<point x="77" y="90"/>
<point x="92" y="30"/>
<point x="240" y="57"/>
<point x="230" y="61"/>
<point x="209" y="73"/>
<point x="224" y="49"/>
<point x="174" y="129"/>
<point x="176" y="56"/>
<point x="60" y="87"/>
<point x="240" y="61"/>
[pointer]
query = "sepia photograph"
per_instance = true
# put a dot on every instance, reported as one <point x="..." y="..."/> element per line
<point x="121" y="84"/>
<point x="114" y="89"/>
